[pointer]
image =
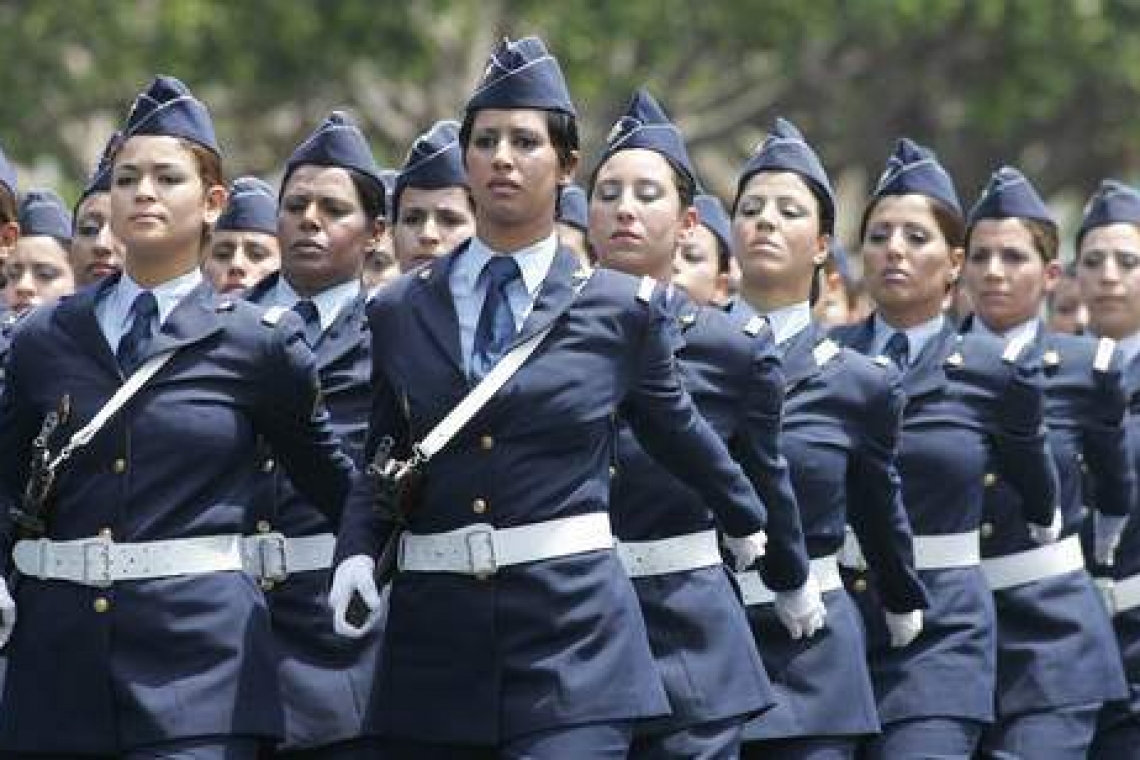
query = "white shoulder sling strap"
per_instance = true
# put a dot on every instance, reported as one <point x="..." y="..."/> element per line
<point x="126" y="391"/>
<point x="506" y="367"/>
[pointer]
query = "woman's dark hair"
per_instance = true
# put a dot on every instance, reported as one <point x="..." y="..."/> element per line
<point x="370" y="193"/>
<point x="949" y="222"/>
<point x="8" y="212"/>
<point x="562" y="128"/>
<point x="1044" y="235"/>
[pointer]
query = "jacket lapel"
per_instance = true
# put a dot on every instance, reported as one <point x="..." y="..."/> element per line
<point x="927" y="372"/>
<point x="194" y="319"/>
<point x="76" y="315"/>
<point x="344" y="334"/>
<point x="555" y="296"/>
<point x="799" y="360"/>
<point x="431" y="301"/>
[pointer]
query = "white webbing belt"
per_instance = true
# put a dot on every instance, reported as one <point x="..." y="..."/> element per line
<point x="824" y="569"/>
<point x="482" y="549"/>
<point x="947" y="551"/>
<point x="274" y="557"/>
<point x="675" y="554"/>
<point x="1122" y="595"/>
<point x="101" y="562"/>
<point x="940" y="552"/>
<point x="1034" y="564"/>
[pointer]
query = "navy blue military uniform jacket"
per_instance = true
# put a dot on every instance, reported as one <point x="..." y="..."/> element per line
<point x="326" y="679"/>
<point x="966" y="409"/>
<point x="99" y="670"/>
<point x="552" y="643"/>
<point x="1055" y="641"/>
<point x="697" y="627"/>
<point x="1127" y="623"/>
<point x="840" y="430"/>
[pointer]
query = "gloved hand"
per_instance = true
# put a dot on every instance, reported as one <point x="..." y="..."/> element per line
<point x="904" y="627"/>
<point x="801" y="610"/>
<point x="1022" y="408"/>
<point x="1107" y="530"/>
<point x="7" y="614"/>
<point x="746" y="550"/>
<point x="1047" y="534"/>
<point x="355" y="575"/>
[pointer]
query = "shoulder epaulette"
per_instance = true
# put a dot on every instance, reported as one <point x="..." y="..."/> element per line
<point x="755" y="325"/>
<point x="1014" y="348"/>
<point x="825" y="352"/>
<point x="1103" y="359"/>
<point x="273" y="315"/>
<point x="646" y="289"/>
<point x="226" y="304"/>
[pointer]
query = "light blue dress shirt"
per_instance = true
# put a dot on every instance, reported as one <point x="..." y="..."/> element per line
<point x="469" y="290"/>
<point x="113" y="311"/>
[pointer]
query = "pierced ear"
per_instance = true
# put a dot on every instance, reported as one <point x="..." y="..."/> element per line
<point x="570" y="168"/>
<point x="216" y="198"/>
<point x="379" y="228"/>
<point x="9" y="234"/>
<point x="690" y="220"/>
<point x="823" y="250"/>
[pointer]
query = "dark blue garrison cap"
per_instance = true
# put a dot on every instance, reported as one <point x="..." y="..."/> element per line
<point x="786" y="150"/>
<point x="8" y="176"/>
<point x="100" y="179"/>
<point x="168" y="108"/>
<point x="646" y="126"/>
<point x="1008" y="195"/>
<point x="914" y="169"/>
<point x="43" y="213"/>
<point x="712" y="215"/>
<point x="572" y="207"/>
<point x="522" y="74"/>
<point x="434" y="161"/>
<point x="337" y="142"/>
<point x="252" y="207"/>
<point x="1113" y="203"/>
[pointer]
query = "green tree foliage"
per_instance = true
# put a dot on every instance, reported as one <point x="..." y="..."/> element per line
<point x="1049" y="86"/>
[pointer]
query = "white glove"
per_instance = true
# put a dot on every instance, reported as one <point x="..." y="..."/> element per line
<point x="1047" y="534"/>
<point x="801" y="611"/>
<point x="1107" y="530"/>
<point x="904" y="627"/>
<point x="745" y="551"/>
<point x="7" y="614"/>
<point x="355" y="575"/>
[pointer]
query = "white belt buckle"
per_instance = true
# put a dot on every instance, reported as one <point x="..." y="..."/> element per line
<point x="481" y="553"/>
<point x="271" y="557"/>
<point x="97" y="562"/>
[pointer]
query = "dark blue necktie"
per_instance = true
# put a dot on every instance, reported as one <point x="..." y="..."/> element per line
<point x="307" y="310"/>
<point x="496" y="322"/>
<point x="133" y="345"/>
<point x="898" y="350"/>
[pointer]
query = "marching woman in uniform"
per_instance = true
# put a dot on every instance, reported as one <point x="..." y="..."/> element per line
<point x="140" y="635"/>
<point x="95" y="250"/>
<point x="1108" y="273"/>
<point x="38" y="270"/>
<point x="431" y="208"/>
<point x="243" y="248"/>
<point x="702" y="260"/>
<point x="332" y="204"/>
<point x="973" y="407"/>
<point x="513" y="631"/>
<point x="1057" y="660"/>
<point x="641" y="196"/>
<point x="841" y="414"/>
